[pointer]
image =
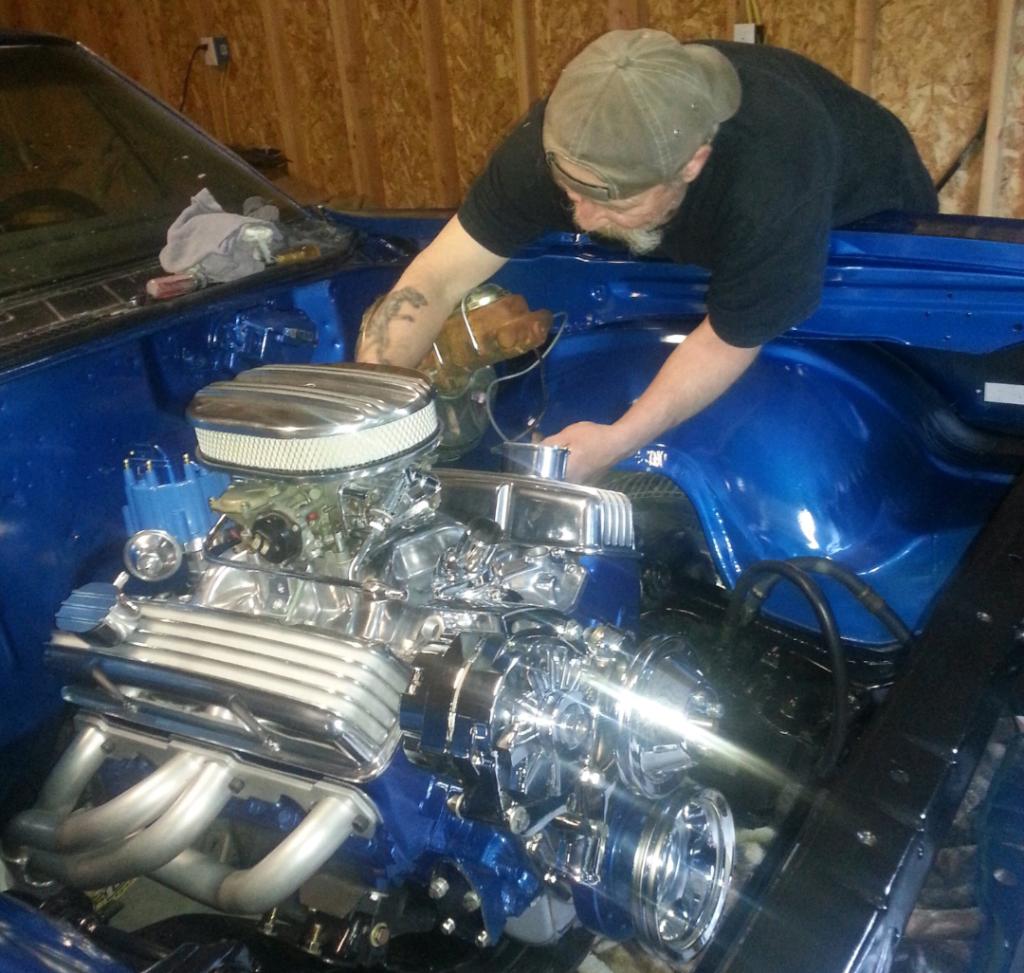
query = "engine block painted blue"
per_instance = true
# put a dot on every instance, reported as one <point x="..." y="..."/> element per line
<point x="421" y="833"/>
<point x="610" y="581"/>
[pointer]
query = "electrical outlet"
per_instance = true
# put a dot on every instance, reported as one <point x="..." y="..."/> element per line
<point x="217" y="53"/>
<point x="748" y="33"/>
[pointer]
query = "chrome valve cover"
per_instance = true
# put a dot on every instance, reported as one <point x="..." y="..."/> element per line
<point x="315" y="700"/>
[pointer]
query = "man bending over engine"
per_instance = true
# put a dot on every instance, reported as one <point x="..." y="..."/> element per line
<point x="735" y="157"/>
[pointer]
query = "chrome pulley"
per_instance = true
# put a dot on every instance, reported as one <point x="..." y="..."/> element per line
<point x="549" y="720"/>
<point x="667" y="715"/>
<point x="681" y="874"/>
<point x="516" y="709"/>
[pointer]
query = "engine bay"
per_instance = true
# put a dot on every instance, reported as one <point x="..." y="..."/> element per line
<point x="359" y="699"/>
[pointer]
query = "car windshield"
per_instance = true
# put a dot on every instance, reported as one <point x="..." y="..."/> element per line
<point x="93" y="171"/>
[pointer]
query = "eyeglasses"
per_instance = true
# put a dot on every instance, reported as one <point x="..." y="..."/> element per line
<point x="589" y="189"/>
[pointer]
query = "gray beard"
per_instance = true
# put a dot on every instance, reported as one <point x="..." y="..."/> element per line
<point x="638" y="241"/>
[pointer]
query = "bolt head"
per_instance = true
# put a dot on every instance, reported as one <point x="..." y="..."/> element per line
<point x="518" y="819"/>
<point x="438" y="887"/>
<point x="448" y="926"/>
<point x="471" y="901"/>
<point x="379" y="935"/>
<point x="482" y="938"/>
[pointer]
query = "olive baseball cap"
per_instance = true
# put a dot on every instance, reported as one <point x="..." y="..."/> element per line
<point x="633" y="107"/>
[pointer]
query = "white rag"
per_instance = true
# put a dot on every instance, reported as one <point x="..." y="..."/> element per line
<point x="218" y="246"/>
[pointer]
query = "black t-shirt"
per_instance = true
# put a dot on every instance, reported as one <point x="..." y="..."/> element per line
<point x="805" y="152"/>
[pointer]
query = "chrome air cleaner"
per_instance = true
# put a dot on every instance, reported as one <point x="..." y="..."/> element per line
<point x="315" y="419"/>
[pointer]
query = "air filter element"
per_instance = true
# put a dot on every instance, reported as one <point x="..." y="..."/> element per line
<point x="315" y="419"/>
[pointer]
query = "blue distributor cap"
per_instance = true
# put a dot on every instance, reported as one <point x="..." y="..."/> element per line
<point x="159" y="497"/>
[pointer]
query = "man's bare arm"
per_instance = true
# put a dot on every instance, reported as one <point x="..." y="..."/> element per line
<point x="398" y="327"/>
<point x="696" y="373"/>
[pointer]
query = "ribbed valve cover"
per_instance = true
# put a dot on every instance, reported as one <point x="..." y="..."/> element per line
<point x="315" y="419"/>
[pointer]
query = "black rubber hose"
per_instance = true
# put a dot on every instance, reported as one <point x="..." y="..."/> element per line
<point x="861" y="590"/>
<point x="746" y="588"/>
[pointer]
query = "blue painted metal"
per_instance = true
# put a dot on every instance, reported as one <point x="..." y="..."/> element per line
<point x="32" y="943"/>
<point x="612" y="592"/>
<point x="421" y="833"/>
<point x="820" y="449"/>
<point x="259" y="334"/>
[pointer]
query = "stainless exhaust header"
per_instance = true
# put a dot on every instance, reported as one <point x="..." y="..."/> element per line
<point x="255" y="890"/>
<point x="149" y="828"/>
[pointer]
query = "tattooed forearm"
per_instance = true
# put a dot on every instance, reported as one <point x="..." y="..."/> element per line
<point x="377" y="332"/>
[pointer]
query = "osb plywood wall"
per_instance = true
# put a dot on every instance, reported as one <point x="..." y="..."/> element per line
<point x="398" y="102"/>
<point x="1011" y="187"/>
<point x="932" y="68"/>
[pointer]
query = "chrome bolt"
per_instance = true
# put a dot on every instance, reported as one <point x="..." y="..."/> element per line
<point x="867" y="838"/>
<point x="379" y="935"/>
<point x="454" y="804"/>
<point x="438" y="887"/>
<point x="313" y="943"/>
<point x="984" y="617"/>
<point x="471" y="901"/>
<point x="518" y="819"/>
<point x="269" y="921"/>
<point x="448" y="926"/>
<point x="376" y="896"/>
<point x="482" y="938"/>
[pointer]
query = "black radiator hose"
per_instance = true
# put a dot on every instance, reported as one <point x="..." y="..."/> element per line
<point x="772" y="572"/>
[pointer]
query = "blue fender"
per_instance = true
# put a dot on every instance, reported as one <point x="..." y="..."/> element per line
<point x="821" y="449"/>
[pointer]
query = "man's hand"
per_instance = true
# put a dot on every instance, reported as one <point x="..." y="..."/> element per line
<point x="694" y="375"/>
<point x="593" y="448"/>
